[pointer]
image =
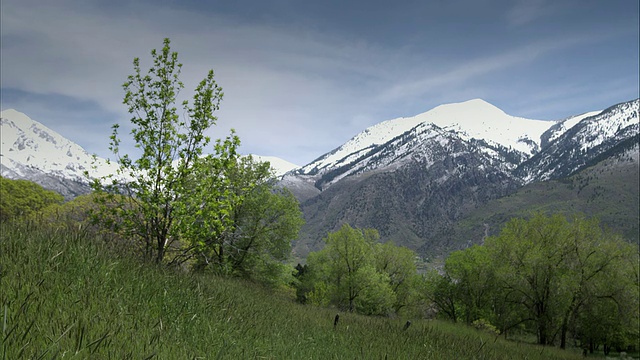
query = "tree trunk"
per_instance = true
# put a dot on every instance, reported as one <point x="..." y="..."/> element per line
<point x="542" y="332"/>
<point x="160" y="255"/>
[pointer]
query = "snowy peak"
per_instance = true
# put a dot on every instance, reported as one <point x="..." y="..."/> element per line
<point x="480" y="120"/>
<point x="588" y="138"/>
<point x="29" y="146"/>
<point x="21" y="135"/>
<point x="473" y="119"/>
<point x="461" y="113"/>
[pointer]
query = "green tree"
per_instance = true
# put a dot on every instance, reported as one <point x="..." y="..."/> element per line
<point x="530" y="256"/>
<point x="170" y="146"/>
<point x="548" y="275"/>
<point x="552" y="269"/>
<point x="375" y="296"/>
<point x="23" y="198"/>
<point x="398" y="264"/>
<point x="207" y="212"/>
<point x="260" y="224"/>
<point x="594" y="270"/>
<point x="472" y="273"/>
<point x="349" y="252"/>
<point x="443" y="293"/>
<point x="606" y="299"/>
<point x="356" y="273"/>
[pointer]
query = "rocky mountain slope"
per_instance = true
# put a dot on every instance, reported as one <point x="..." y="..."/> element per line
<point x="607" y="190"/>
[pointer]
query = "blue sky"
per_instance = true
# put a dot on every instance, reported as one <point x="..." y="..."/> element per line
<point x="302" y="77"/>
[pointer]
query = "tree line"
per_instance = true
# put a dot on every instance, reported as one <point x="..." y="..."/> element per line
<point x="562" y="281"/>
<point x="23" y="198"/>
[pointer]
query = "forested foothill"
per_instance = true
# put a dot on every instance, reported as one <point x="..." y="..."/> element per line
<point x="181" y="252"/>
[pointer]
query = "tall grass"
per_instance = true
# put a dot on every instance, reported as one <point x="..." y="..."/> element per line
<point x="65" y="295"/>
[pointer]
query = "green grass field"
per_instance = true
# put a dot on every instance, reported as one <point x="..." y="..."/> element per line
<point x="65" y="295"/>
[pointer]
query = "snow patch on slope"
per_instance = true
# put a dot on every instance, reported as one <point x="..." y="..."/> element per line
<point x="607" y="125"/>
<point x="480" y="120"/>
<point x="570" y="122"/>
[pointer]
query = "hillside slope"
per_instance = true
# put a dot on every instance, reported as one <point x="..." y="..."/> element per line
<point x="607" y="190"/>
<point x="410" y="198"/>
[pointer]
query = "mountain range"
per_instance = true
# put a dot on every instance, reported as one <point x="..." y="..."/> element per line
<point x="434" y="182"/>
<point x="418" y="179"/>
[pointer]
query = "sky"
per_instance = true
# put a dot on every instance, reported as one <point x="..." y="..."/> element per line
<point x="300" y="78"/>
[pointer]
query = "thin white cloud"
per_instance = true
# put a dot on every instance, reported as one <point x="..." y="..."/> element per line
<point x="462" y="73"/>
<point x="525" y="12"/>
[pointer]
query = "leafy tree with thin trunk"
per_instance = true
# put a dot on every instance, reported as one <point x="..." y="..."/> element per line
<point x="398" y="264"/>
<point x="252" y="236"/>
<point x="475" y="281"/>
<point x="154" y="185"/>
<point x="555" y="269"/>
<point x="444" y="294"/>
<point x="349" y="251"/>
<point x="530" y="257"/>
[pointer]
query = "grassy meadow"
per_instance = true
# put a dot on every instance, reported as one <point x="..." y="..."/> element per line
<point x="65" y="295"/>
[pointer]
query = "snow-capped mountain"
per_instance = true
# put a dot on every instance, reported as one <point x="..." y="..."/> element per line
<point x="507" y="140"/>
<point x="414" y="178"/>
<point x="30" y="150"/>
<point x="473" y="119"/>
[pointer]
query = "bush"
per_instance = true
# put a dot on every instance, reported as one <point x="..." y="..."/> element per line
<point x="23" y="198"/>
<point x="484" y="325"/>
